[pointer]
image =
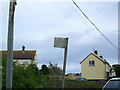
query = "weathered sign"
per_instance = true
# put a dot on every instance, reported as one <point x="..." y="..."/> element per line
<point x="60" y="42"/>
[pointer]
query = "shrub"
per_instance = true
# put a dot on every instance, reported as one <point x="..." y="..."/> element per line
<point x="23" y="77"/>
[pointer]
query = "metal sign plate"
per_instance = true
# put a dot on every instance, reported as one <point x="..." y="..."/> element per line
<point x="60" y="42"/>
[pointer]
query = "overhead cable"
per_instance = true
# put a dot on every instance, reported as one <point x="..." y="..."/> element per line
<point x="95" y="26"/>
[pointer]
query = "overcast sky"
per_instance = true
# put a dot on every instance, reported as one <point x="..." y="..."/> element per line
<point x="37" y="23"/>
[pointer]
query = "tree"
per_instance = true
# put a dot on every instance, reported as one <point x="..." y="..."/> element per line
<point x="117" y="70"/>
<point x="44" y="70"/>
<point x="55" y="71"/>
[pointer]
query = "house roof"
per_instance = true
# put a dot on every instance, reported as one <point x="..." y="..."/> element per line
<point x="19" y="54"/>
<point x="101" y="59"/>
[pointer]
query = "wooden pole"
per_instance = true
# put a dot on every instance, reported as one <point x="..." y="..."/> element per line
<point x="64" y="64"/>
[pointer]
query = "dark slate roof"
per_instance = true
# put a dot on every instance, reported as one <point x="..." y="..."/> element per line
<point x="101" y="59"/>
<point x="18" y="54"/>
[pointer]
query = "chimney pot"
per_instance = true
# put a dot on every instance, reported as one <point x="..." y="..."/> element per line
<point x="96" y="52"/>
<point x="23" y="48"/>
<point x="101" y="57"/>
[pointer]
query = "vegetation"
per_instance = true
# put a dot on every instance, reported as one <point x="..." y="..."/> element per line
<point x="117" y="70"/>
<point x="52" y="83"/>
<point x="55" y="71"/>
<point x="47" y="77"/>
<point x="44" y="70"/>
<point x="0" y="79"/>
<point x="30" y="76"/>
<point x="84" y="84"/>
<point x="23" y="77"/>
<point x="4" y="66"/>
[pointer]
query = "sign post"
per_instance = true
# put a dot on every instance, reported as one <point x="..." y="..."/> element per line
<point x="62" y="43"/>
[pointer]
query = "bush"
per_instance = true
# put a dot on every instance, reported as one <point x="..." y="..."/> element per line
<point x="44" y="70"/>
<point x="55" y="71"/>
<point x="23" y="77"/>
<point x="44" y="78"/>
<point x="117" y="70"/>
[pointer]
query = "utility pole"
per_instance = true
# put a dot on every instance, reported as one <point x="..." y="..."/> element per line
<point x="119" y="31"/>
<point x="10" y="43"/>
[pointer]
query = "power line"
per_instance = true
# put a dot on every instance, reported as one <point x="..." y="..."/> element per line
<point x="96" y="26"/>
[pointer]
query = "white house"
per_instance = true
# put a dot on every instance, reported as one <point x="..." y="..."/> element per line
<point x="23" y="57"/>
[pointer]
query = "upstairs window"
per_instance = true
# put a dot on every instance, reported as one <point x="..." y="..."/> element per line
<point x="91" y="63"/>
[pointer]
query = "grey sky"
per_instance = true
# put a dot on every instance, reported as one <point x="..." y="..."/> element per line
<point x="37" y="23"/>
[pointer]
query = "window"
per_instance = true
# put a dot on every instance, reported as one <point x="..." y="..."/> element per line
<point x="91" y="63"/>
<point x="25" y="62"/>
<point x="113" y="84"/>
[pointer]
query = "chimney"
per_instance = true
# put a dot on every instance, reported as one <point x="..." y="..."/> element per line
<point x="23" y="48"/>
<point x="101" y="57"/>
<point x="96" y="52"/>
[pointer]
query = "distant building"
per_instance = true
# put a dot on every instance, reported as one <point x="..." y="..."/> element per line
<point x="94" y="67"/>
<point x="23" y="57"/>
